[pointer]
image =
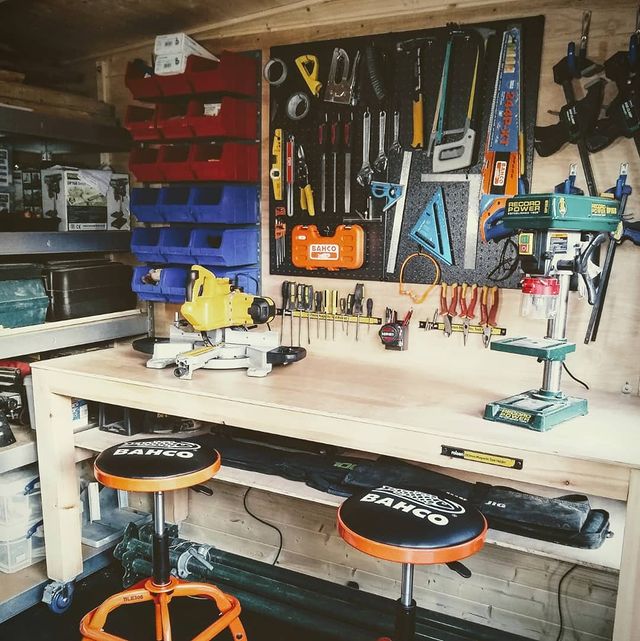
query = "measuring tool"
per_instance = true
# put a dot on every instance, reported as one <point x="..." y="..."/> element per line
<point x="276" y="165"/>
<point x="432" y="231"/>
<point x="399" y="213"/>
<point x="389" y="191"/>
<point x="309" y="70"/>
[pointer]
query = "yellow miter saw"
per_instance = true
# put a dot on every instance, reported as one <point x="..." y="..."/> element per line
<point x="214" y="332"/>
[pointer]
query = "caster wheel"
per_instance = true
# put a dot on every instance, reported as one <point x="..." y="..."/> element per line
<point x="58" y="596"/>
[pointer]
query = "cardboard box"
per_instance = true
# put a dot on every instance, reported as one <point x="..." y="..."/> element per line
<point x="180" y="43"/>
<point x="86" y="199"/>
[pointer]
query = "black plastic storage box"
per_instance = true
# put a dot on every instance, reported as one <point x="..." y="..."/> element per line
<point x="79" y="288"/>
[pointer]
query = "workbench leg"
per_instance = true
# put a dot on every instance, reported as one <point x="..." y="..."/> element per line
<point x="627" y="622"/>
<point x="176" y="506"/>
<point x="59" y="483"/>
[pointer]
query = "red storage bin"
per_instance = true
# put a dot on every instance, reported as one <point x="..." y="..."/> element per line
<point x="227" y="118"/>
<point x="174" y="163"/>
<point x="143" y="164"/>
<point x="229" y="161"/>
<point x="173" y="121"/>
<point x="234" y="74"/>
<point x="142" y="84"/>
<point x="141" y="123"/>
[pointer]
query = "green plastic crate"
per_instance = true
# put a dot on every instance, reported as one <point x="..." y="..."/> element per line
<point x="22" y="302"/>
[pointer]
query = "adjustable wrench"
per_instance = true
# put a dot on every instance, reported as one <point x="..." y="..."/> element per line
<point x="380" y="163"/>
<point x="366" y="173"/>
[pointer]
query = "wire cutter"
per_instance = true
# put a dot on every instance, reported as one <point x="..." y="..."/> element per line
<point x="306" y="193"/>
<point x="449" y="311"/>
<point x="467" y="311"/>
<point x="489" y="303"/>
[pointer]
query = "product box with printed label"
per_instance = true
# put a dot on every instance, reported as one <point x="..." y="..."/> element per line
<point x="86" y="199"/>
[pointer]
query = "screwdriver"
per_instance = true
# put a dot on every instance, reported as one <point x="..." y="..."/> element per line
<point x="291" y="303"/>
<point x="308" y="307"/>
<point x="285" y="301"/>
<point x="300" y="307"/>
<point x="318" y="297"/>
<point x="343" y="310"/>
<point x="358" y="298"/>
<point x="325" y="308"/>
<point x="369" y="313"/>
<point x="349" y="310"/>
<point x="334" y="311"/>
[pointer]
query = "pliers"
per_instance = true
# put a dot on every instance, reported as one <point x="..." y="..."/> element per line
<point x="306" y="193"/>
<point x="449" y="311"/>
<point x="489" y="303"/>
<point x="467" y="311"/>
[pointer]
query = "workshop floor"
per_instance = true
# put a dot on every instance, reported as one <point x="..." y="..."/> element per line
<point x="134" y="622"/>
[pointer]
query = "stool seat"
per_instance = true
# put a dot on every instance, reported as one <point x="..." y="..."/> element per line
<point x="411" y="525"/>
<point x="156" y="465"/>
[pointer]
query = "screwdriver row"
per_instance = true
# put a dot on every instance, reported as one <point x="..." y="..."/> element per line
<point x="327" y="305"/>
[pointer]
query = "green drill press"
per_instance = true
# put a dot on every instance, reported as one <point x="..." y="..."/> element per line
<point x="557" y="235"/>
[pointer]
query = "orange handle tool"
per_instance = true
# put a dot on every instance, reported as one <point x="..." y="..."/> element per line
<point x="455" y="297"/>
<point x="494" y="295"/>
<point x="471" y="307"/>
<point x="484" y="316"/>
<point x="443" y="300"/>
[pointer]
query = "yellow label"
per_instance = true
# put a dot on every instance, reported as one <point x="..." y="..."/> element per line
<point x="491" y="459"/>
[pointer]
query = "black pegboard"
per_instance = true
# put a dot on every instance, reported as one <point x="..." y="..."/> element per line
<point x="398" y="76"/>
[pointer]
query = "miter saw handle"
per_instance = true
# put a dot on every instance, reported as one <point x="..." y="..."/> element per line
<point x="193" y="277"/>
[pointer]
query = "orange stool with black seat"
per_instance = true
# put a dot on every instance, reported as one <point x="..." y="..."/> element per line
<point x="411" y="526"/>
<point x="159" y="465"/>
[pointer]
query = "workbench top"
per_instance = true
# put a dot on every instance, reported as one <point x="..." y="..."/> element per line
<point x="410" y="403"/>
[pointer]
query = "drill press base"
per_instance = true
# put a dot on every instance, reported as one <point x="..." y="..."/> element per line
<point x="536" y="409"/>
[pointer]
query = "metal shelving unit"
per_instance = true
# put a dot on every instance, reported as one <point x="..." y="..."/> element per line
<point x="13" y="243"/>
<point x="78" y="331"/>
<point x="34" y="131"/>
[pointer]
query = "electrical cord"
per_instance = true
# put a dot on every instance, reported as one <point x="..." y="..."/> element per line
<point x="507" y="265"/>
<point x="564" y="576"/>
<point x="257" y="518"/>
<point x="418" y="298"/>
<point x="577" y="380"/>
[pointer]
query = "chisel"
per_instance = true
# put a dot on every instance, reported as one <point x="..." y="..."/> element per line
<point x="347" y="164"/>
<point x="335" y="143"/>
<point x="322" y="142"/>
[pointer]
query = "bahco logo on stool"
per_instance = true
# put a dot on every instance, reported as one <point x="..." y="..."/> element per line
<point x="420" y="504"/>
<point x="181" y="449"/>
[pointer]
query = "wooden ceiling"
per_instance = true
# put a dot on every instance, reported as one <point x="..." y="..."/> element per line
<point x="63" y="30"/>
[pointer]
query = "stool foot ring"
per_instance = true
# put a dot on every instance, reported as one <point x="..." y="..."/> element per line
<point x="92" y="624"/>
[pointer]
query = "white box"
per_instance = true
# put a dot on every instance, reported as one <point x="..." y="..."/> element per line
<point x="170" y="64"/>
<point x="21" y="545"/>
<point x="86" y="199"/>
<point x="180" y="43"/>
<point x="20" y="496"/>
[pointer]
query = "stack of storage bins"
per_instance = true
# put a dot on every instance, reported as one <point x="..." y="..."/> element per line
<point x="200" y="142"/>
<point x="21" y="531"/>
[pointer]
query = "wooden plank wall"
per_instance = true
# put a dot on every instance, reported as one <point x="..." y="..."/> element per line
<point x="509" y="590"/>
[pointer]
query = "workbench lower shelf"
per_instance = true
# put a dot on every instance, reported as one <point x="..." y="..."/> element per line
<point x="22" y="452"/>
<point x="23" y="590"/>
<point x="607" y="556"/>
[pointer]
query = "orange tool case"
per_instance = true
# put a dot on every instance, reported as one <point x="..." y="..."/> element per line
<point x="343" y="250"/>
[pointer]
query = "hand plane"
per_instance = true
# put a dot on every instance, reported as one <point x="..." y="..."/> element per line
<point x="215" y="331"/>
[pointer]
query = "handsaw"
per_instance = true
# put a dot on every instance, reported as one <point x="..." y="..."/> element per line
<point x="503" y="162"/>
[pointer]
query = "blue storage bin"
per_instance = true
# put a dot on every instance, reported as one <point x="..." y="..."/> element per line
<point x="143" y="204"/>
<point x="225" y="204"/>
<point x="145" y="243"/>
<point x="228" y="247"/>
<point x="175" y="245"/>
<point x="171" y="288"/>
<point x="173" y="204"/>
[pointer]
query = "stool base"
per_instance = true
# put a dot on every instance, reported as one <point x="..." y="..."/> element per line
<point x="92" y="624"/>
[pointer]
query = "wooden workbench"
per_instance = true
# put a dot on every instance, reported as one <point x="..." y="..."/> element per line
<point x="394" y="411"/>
